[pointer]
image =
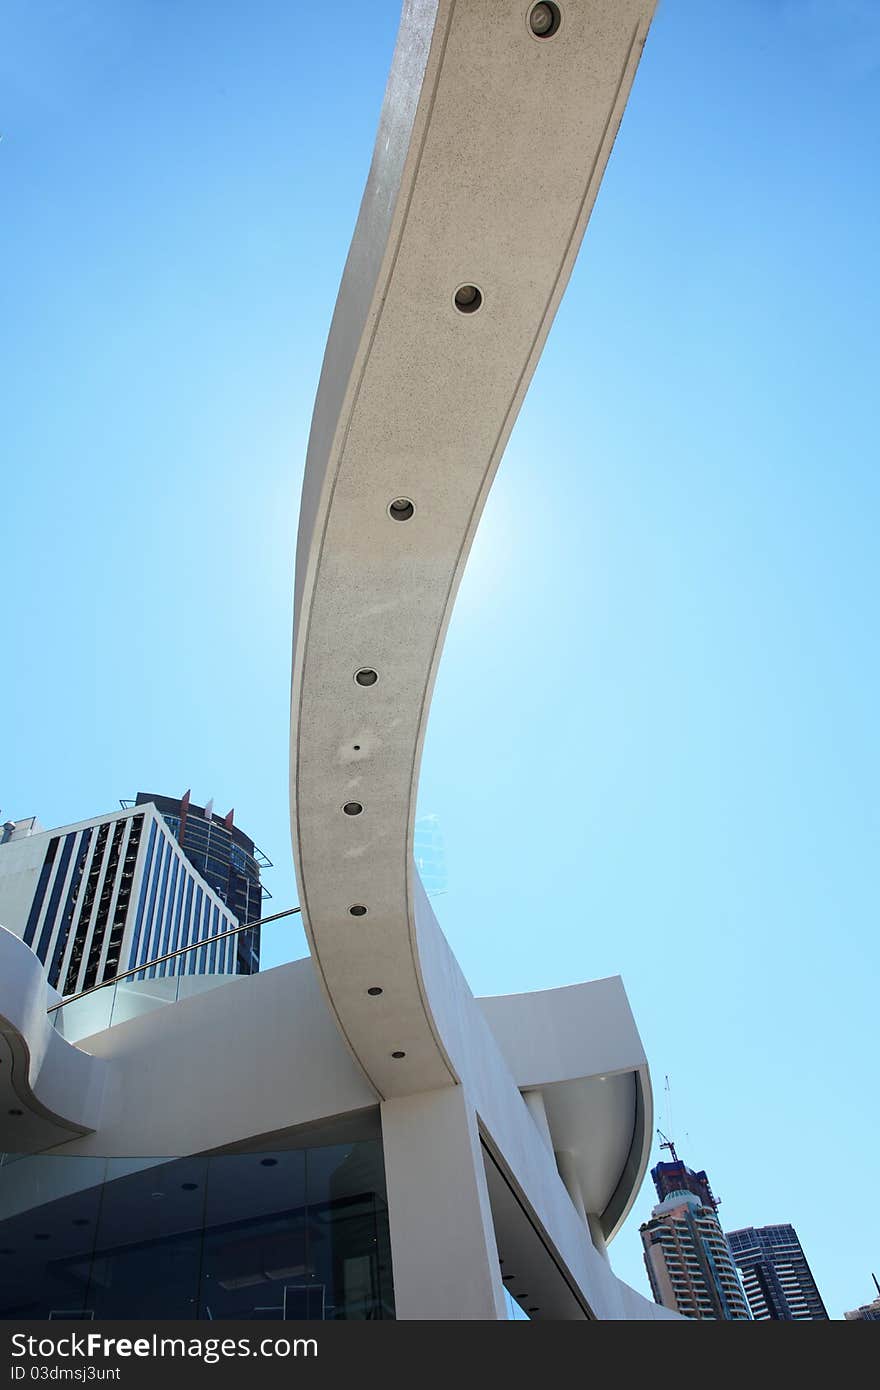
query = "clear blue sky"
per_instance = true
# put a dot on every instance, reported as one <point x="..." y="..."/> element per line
<point x="654" y="744"/>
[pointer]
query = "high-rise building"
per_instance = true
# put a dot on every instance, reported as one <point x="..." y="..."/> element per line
<point x="225" y="857"/>
<point x="869" y="1312"/>
<point x="777" y="1279"/>
<point x="688" y="1262"/>
<point x="101" y="896"/>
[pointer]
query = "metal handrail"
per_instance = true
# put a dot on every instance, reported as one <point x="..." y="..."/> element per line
<point x="170" y="955"/>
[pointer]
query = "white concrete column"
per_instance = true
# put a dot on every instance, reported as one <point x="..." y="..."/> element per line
<point x="597" y="1235"/>
<point x="443" y="1249"/>
<point x="535" y="1102"/>
<point x="568" y="1173"/>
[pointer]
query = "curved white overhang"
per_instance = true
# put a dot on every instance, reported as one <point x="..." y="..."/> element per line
<point x="579" y="1047"/>
<point x="491" y="148"/>
<point x="49" y="1090"/>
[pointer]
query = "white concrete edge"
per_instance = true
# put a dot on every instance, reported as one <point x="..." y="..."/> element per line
<point x="53" y="1079"/>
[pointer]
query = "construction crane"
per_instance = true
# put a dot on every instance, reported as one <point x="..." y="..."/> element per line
<point x="668" y="1144"/>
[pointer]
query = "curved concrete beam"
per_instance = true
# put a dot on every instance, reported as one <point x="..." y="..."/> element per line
<point x="491" y="147"/>
<point x="49" y="1090"/>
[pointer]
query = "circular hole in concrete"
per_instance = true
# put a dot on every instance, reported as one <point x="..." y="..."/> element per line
<point x="467" y="299"/>
<point x="545" y="19"/>
<point x="374" y="990"/>
<point x="352" y="808"/>
<point x="358" y="910"/>
<point x="366" y="676"/>
<point x="401" y="509"/>
<point x="397" y="1055"/>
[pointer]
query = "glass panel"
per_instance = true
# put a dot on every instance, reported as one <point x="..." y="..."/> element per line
<point x="299" y="1233"/>
<point x="85" y="1016"/>
<point x="148" y="1247"/>
<point x="129" y="998"/>
<point x="48" y="1217"/>
<point x="134" y="997"/>
<point x="345" y="1190"/>
<point x="255" y="1236"/>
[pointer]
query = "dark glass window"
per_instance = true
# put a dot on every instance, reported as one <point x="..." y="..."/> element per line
<point x="160" y="909"/>
<point x="145" y="884"/>
<point x="196" y="935"/>
<point x="163" y="849"/>
<point x="167" y="938"/>
<point x="290" y="1234"/>
<point x="63" y="934"/>
<point x="103" y="910"/>
<point x="147" y="1252"/>
<point x="85" y="916"/>
<point x="36" y="905"/>
<point x="42" y="950"/>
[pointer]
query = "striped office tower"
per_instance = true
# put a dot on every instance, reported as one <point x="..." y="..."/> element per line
<point x="99" y="897"/>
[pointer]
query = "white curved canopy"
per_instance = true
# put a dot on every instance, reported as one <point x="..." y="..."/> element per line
<point x="491" y="147"/>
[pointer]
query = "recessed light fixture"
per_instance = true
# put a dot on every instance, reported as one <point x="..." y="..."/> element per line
<point x="189" y="1186"/>
<point x="533" y="1310"/>
<point x="467" y="299"/>
<point x="397" y="1055"/>
<point x="268" y="1162"/>
<point x="352" y="808"/>
<point x="374" y="989"/>
<point x="41" y="1235"/>
<point x="544" y="20"/>
<point x="81" y="1221"/>
<point x="16" y="1112"/>
<point x="357" y="910"/>
<point x="366" y="676"/>
<point x="401" y="509"/>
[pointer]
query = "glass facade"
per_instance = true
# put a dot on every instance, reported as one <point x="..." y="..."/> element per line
<point x="292" y="1234"/>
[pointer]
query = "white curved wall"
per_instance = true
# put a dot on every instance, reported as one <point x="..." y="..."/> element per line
<point x="57" y="1088"/>
<point x="258" y="1054"/>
